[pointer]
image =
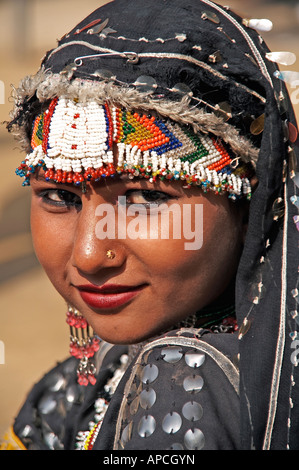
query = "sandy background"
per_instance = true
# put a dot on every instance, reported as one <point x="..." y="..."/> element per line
<point x="32" y="315"/>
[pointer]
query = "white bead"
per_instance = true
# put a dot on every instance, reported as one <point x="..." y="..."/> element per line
<point x="260" y="24"/>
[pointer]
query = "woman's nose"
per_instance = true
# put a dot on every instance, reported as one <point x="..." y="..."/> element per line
<point x="94" y="249"/>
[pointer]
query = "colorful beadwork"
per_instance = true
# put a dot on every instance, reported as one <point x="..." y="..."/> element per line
<point x="74" y="142"/>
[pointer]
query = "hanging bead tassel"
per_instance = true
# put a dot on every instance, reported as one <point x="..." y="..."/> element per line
<point x="262" y="24"/>
<point x="82" y="346"/>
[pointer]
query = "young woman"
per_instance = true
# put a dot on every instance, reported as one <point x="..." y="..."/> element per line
<point x="147" y="131"/>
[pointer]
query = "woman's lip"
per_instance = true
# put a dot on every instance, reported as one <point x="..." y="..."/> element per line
<point x="108" y="296"/>
<point x="108" y="288"/>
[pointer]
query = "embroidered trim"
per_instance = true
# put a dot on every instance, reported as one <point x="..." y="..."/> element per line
<point x="47" y="86"/>
<point x="160" y="55"/>
<point x="281" y="337"/>
<point x="248" y="39"/>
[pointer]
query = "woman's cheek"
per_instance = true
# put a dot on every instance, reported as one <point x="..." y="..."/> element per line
<point x="51" y="240"/>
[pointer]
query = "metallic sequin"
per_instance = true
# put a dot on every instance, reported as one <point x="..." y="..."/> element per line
<point x="194" y="359"/>
<point x="208" y="15"/>
<point x="293" y="335"/>
<point x="224" y="110"/>
<point x="146" y="426"/>
<point x="244" y="328"/>
<point x="172" y="422"/>
<point x="192" y="411"/>
<point x="131" y="388"/>
<point x="292" y="162"/>
<point x="176" y="446"/>
<point x="260" y="24"/>
<point x="147" y="398"/>
<point x="193" y="383"/>
<point x="278" y="208"/>
<point x="145" y="84"/>
<point x="149" y="374"/>
<point x="294" y="315"/>
<point x="182" y="89"/>
<point x="282" y="102"/>
<point x="283" y="58"/>
<point x="127" y="433"/>
<point x="105" y="74"/>
<point x="52" y="441"/>
<point x="98" y="28"/>
<point x="134" y="406"/>
<point x="194" y="439"/>
<point x="215" y="57"/>
<point x="256" y="293"/>
<point x="47" y="404"/>
<point x="295" y="292"/>
<point x="293" y="132"/>
<point x="69" y="70"/>
<point x="285" y="129"/>
<point x="288" y="76"/>
<point x="72" y="394"/>
<point x="27" y="431"/>
<point x="172" y="354"/>
<point x="295" y="200"/>
<point x="257" y="126"/>
<point x="55" y="382"/>
<point x="295" y="179"/>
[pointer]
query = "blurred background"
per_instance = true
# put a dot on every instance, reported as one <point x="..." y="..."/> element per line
<point x="33" y="332"/>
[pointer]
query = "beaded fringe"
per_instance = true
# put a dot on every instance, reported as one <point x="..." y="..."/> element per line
<point x="74" y="142"/>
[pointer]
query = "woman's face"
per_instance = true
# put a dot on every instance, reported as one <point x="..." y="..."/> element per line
<point x="155" y="277"/>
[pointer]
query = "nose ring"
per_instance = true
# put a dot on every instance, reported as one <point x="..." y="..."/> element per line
<point x="110" y="254"/>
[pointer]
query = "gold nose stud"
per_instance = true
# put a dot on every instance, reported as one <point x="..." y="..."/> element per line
<point x="110" y="254"/>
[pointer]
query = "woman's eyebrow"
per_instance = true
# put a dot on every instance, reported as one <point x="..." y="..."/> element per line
<point x="40" y="177"/>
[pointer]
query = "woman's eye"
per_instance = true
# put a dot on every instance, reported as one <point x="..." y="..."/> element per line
<point x="146" y="197"/>
<point x="60" y="198"/>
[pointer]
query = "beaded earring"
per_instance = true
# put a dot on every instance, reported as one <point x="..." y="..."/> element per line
<point x="83" y="346"/>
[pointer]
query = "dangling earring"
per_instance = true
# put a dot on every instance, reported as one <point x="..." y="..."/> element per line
<point x="82" y="346"/>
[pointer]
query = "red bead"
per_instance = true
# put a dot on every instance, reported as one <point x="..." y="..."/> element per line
<point x="91" y="378"/>
<point x="82" y="380"/>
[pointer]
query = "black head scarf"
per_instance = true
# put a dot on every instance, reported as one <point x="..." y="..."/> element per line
<point x="201" y="64"/>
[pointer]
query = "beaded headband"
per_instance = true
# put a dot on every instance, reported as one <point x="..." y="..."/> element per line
<point x="74" y="142"/>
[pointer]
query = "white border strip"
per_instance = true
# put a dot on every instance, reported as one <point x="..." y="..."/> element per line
<point x="281" y="336"/>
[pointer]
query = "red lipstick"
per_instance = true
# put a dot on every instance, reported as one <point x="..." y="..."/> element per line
<point x="108" y="296"/>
